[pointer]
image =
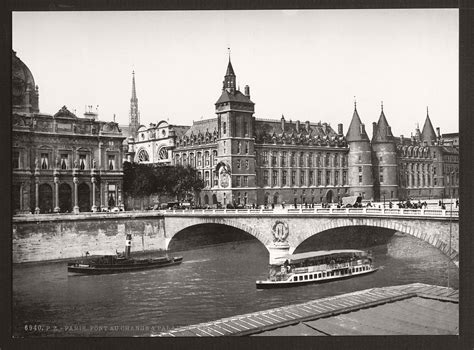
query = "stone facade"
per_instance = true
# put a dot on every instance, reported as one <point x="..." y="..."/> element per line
<point x="60" y="162"/>
<point x="247" y="160"/>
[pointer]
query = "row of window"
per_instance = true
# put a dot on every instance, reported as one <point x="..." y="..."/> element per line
<point x="291" y="180"/>
<point x="199" y="160"/>
<point x="301" y="159"/>
<point x="347" y="271"/>
<point x="62" y="162"/>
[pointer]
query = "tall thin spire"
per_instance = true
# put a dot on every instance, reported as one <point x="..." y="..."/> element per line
<point x="355" y="104"/>
<point x="134" y="92"/>
<point x="229" y="78"/>
<point x="134" y="121"/>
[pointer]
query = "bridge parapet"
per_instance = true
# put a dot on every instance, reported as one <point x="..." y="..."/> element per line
<point x="432" y="213"/>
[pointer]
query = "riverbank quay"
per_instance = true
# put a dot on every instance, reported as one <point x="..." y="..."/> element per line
<point x="51" y="237"/>
<point x="412" y="309"/>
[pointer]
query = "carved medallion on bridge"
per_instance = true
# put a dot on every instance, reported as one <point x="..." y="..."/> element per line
<point x="280" y="231"/>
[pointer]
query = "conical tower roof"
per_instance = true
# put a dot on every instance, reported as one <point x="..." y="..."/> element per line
<point x="230" y="69"/>
<point x="382" y="132"/>
<point x="356" y="131"/>
<point x="428" y="134"/>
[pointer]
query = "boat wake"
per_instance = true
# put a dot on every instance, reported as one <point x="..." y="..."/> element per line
<point x="195" y="261"/>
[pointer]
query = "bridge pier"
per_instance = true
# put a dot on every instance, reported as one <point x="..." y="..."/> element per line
<point x="278" y="251"/>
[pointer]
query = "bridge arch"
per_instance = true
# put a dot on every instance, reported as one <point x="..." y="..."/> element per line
<point x="411" y="228"/>
<point x="174" y="226"/>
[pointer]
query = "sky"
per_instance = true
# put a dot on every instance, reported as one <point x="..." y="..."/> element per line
<point x="304" y="64"/>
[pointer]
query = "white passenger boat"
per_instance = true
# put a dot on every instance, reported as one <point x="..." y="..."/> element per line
<point x="318" y="267"/>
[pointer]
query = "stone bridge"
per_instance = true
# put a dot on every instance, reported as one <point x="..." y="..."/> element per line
<point x="282" y="231"/>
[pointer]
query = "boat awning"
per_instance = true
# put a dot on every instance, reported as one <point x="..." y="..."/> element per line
<point x="351" y="200"/>
<point x="320" y="253"/>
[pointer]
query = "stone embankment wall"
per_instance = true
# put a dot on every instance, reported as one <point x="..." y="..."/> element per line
<point x="51" y="237"/>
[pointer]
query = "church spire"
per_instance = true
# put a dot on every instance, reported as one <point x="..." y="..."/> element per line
<point x="229" y="78"/>
<point x="134" y="121"/>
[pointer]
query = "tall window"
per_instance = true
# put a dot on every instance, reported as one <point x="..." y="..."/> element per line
<point x="283" y="159"/>
<point x="215" y="178"/>
<point x="64" y="161"/>
<point x="111" y="161"/>
<point x="301" y="159"/>
<point x="284" y="178"/>
<point x="238" y="164"/>
<point x="265" y="158"/>
<point x="246" y="181"/>
<point x="302" y="178"/>
<point x="344" y="178"/>
<point x="245" y="129"/>
<point x="224" y="128"/>
<point x="246" y="147"/>
<point x="246" y="164"/>
<point x="293" y="177"/>
<point x="206" y="155"/>
<point x="214" y="156"/>
<point x="343" y="161"/>
<point x="82" y="162"/>
<point x="274" y="159"/>
<point x="326" y="163"/>
<point x="360" y="179"/>
<point x="381" y="175"/>
<point x="336" y="159"/>
<point x="239" y="147"/>
<point x="237" y="181"/>
<point x="206" y="178"/>
<point x="16" y="160"/>
<point x="311" y="179"/>
<point x="310" y="160"/>
<point x="293" y="161"/>
<point x="199" y="159"/>
<point x="319" y="178"/>
<point x="336" y="179"/>
<point x="328" y="177"/>
<point x="44" y="161"/>
<point x="265" y="177"/>
<point x="274" y="177"/>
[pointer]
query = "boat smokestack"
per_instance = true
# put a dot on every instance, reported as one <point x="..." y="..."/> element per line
<point x="128" y="245"/>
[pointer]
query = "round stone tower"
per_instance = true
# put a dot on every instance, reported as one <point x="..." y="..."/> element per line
<point x="360" y="159"/>
<point x="384" y="160"/>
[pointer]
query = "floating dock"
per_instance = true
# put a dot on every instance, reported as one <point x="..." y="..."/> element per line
<point x="413" y="309"/>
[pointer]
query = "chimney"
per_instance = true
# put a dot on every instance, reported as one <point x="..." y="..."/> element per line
<point x="339" y="129"/>
<point x="282" y="123"/>
<point x="374" y="129"/>
<point x="298" y="126"/>
<point x="438" y="131"/>
<point x="307" y="125"/>
<point x="247" y="91"/>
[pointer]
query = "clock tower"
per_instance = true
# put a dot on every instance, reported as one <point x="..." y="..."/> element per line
<point x="235" y="145"/>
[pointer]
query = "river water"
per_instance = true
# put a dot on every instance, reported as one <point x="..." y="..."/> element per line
<point x="213" y="282"/>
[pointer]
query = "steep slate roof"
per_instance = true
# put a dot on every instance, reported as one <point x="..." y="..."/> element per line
<point x="268" y="127"/>
<point x="382" y="131"/>
<point x="180" y="130"/>
<point x="353" y="133"/>
<point x="202" y="126"/>
<point x="428" y="134"/>
<point x="236" y="97"/>
<point x="230" y="69"/>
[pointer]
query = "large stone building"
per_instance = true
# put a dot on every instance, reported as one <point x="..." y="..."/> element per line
<point x="61" y="162"/>
<point x="244" y="160"/>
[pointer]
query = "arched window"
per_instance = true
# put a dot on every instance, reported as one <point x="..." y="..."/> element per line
<point x="163" y="153"/>
<point x="143" y="156"/>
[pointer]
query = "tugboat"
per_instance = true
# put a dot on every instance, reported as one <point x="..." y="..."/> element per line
<point x="318" y="267"/>
<point x="119" y="262"/>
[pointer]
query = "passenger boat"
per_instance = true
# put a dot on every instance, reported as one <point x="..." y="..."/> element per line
<point x="318" y="267"/>
<point x="113" y="263"/>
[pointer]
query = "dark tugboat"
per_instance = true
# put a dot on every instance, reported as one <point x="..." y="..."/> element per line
<point x="119" y="262"/>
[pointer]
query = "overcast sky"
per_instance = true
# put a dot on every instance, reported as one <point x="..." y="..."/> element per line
<point x="307" y="64"/>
